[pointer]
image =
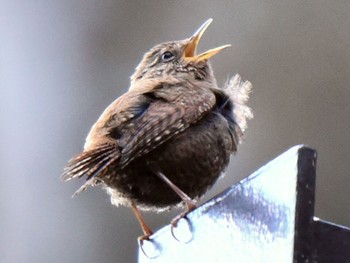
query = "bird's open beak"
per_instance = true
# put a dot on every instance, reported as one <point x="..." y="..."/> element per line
<point x="190" y="50"/>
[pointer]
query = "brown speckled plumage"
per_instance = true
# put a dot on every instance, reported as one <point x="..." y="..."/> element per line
<point x="174" y="120"/>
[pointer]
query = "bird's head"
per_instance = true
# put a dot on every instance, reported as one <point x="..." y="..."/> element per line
<point x="178" y="59"/>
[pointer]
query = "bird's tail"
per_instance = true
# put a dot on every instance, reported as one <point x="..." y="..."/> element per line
<point x="92" y="164"/>
<point x="238" y="92"/>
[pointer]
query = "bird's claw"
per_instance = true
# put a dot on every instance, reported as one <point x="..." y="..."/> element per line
<point x="186" y="234"/>
<point x="148" y="247"/>
<point x="181" y="232"/>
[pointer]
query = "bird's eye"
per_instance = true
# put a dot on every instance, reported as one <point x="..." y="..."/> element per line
<point x="167" y="56"/>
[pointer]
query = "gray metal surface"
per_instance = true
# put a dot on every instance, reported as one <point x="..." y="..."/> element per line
<point x="253" y="221"/>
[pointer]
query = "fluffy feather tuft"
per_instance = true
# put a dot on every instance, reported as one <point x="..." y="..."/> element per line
<point x="238" y="92"/>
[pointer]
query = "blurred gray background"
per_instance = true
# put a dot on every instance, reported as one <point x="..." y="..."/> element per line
<point x="63" y="62"/>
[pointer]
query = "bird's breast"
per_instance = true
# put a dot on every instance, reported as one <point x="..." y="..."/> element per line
<point x="192" y="160"/>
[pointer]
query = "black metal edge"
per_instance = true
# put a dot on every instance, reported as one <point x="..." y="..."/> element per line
<point x="305" y="203"/>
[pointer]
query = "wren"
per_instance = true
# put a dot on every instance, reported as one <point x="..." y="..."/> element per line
<point x="168" y="139"/>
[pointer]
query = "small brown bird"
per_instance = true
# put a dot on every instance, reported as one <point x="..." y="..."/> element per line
<point x="170" y="136"/>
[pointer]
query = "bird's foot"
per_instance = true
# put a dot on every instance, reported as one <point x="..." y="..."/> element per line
<point x="140" y="239"/>
<point x="191" y="205"/>
<point x="148" y="247"/>
<point x="181" y="228"/>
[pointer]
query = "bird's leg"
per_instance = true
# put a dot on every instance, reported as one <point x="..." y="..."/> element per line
<point x="190" y="203"/>
<point x="146" y="230"/>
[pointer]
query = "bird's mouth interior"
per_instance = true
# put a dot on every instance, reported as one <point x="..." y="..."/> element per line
<point x="190" y="50"/>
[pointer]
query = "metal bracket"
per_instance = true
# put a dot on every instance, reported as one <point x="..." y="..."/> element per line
<point x="267" y="217"/>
